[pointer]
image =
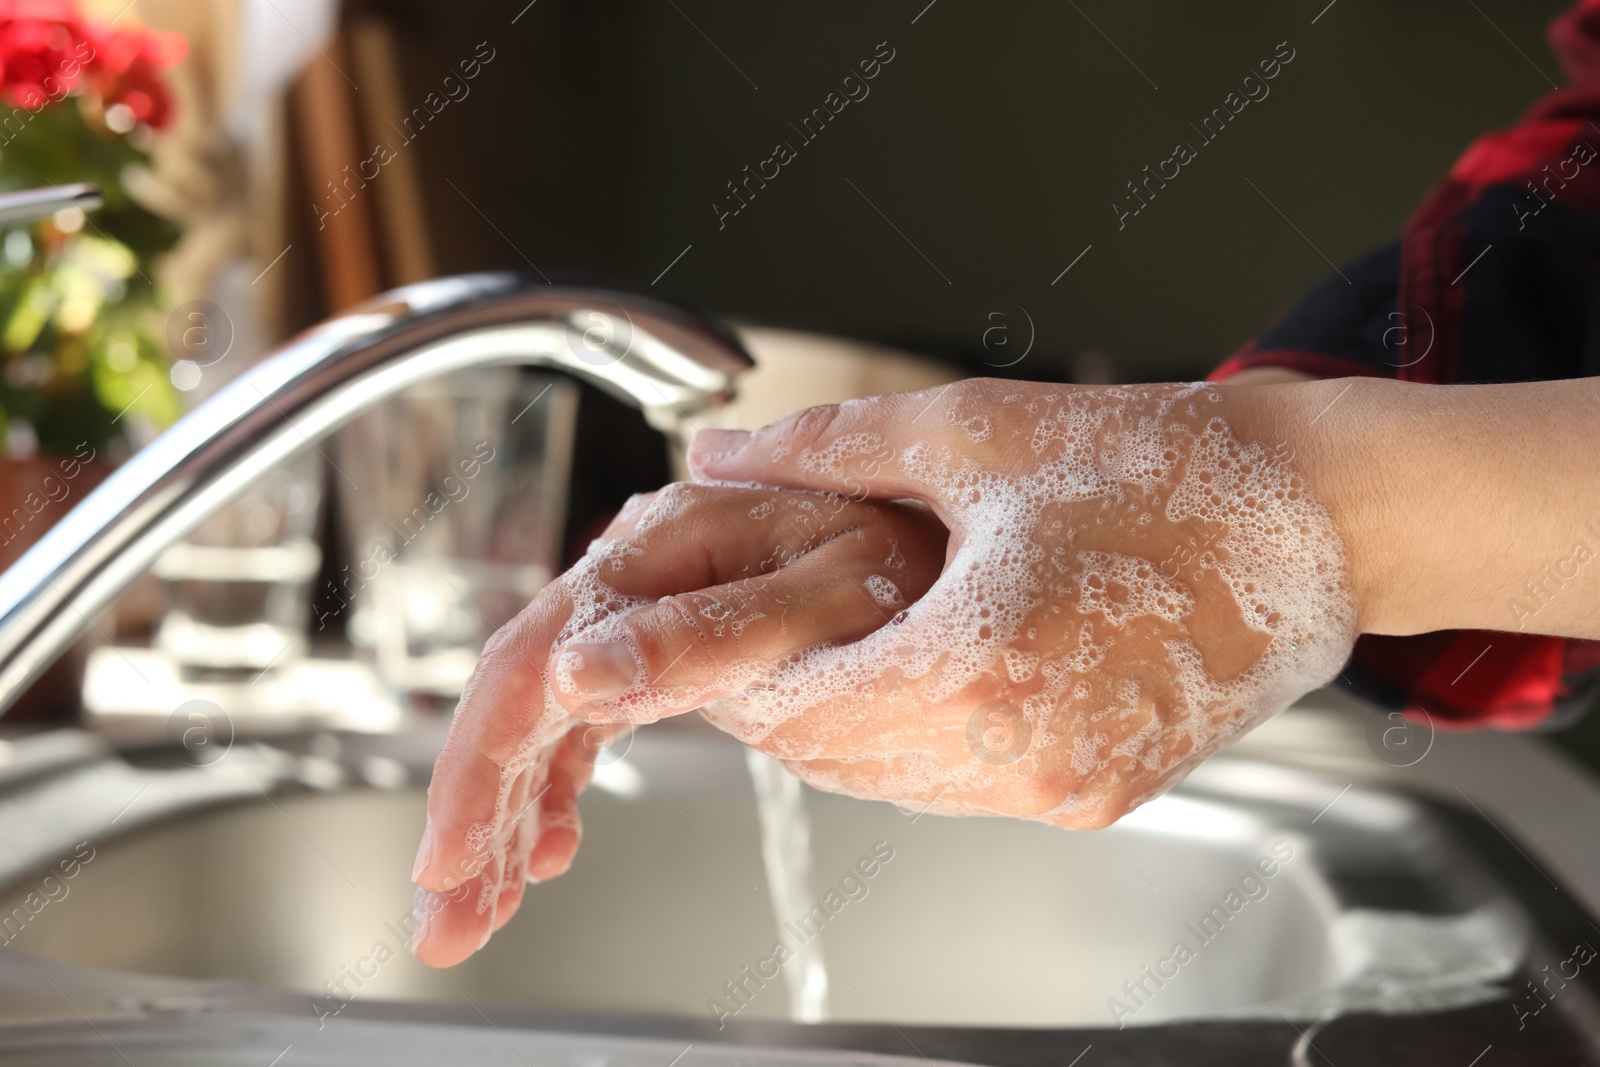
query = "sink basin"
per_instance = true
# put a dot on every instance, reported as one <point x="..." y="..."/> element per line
<point x="266" y="895"/>
<point x="305" y="889"/>
<point x="668" y="901"/>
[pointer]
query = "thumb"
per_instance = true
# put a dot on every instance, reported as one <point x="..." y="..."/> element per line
<point x="856" y="448"/>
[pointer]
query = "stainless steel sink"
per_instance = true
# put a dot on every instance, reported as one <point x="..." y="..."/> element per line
<point x="973" y="922"/>
<point x="1369" y="906"/>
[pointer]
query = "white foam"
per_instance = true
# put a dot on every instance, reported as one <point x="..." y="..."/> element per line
<point x="884" y="591"/>
<point x="1118" y="588"/>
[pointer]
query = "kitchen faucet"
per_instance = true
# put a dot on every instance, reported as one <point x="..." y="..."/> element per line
<point x="670" y="363"/>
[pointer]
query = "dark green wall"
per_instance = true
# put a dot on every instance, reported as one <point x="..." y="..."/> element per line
<point x="997" y="141"/>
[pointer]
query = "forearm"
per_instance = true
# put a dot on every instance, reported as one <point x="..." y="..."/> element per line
<point x="1462" y="506"/>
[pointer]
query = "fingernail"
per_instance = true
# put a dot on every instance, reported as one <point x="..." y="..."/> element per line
<point x="597" y="670"/>
<point x="424" y="851"/>
<point x="710" y="445"/>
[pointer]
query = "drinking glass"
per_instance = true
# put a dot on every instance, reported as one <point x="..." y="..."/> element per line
<point x="453" y="502"/>
<point x="238" y="589"/>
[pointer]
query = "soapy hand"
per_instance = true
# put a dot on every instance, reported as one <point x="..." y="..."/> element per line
<point x="689" y="596"/>
<point x="1130" y="585"/>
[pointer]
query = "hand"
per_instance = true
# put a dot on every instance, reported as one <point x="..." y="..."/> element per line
<point x="1130" y="585"/>
<point x="689" y="596"/>
<point x="1134" y="576"/>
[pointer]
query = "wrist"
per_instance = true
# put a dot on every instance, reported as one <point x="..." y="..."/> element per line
<point x="1460" y="506"/>
<point x="1336" y="433"/>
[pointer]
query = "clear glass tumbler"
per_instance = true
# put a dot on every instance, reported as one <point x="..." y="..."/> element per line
<point x="453" y="503"/>
<point x="238" y="588"/>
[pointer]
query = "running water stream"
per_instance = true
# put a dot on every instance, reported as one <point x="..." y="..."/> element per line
<point x="786" y="853"/>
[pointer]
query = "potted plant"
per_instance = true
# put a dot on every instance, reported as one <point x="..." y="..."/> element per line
<point x="83" y="374"/>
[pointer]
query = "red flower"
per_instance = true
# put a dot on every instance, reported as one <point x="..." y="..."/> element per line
<point x="44" y="50"/>
<point x="47" y="50"/>
<point x="128" y="67"/>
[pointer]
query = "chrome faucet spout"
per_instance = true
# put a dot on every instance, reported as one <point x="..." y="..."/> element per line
<point x="668" y="362"/>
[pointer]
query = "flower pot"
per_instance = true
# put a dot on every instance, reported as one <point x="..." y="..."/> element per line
<point x="34" y="494"/>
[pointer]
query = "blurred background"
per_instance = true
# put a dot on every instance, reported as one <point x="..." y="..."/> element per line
<point x="986" y="158"/>
<point x="301" y="156"/>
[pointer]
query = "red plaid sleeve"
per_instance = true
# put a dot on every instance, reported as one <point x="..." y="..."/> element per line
<point x="1496" y="277"/>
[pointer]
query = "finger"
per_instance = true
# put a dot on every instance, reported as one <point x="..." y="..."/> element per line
<point x="459" y="921"/>
<point x="676" y="654"/>
<point x="447" y="926"/>
<point x="627" y="516"/>
<point x="691" y="536"/>
<point x="626" y="521"/>
<point x="524" y="829"/>
<point x="453" y="924"/>
<point x="857" y="448"/>
<point x="500" y="724"/>
<point x="547" y="824"/>
<point x="560" y="827"/>
<point x="464" y="921"/>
